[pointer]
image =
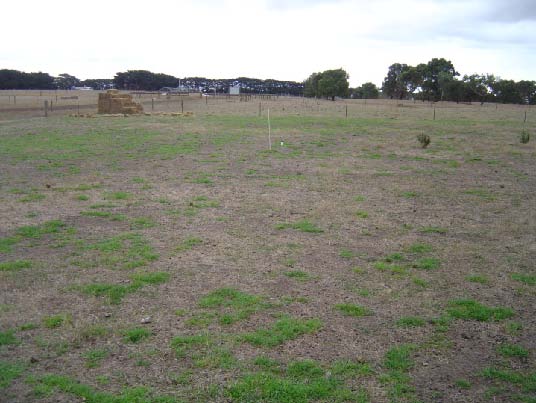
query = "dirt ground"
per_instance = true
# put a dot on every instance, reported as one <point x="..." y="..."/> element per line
<point x="169" y="258"/>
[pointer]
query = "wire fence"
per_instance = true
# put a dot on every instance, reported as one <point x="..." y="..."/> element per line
<point x="32" y="104"/>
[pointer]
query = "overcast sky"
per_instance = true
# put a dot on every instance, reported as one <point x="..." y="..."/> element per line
<point x="280" y="39"/>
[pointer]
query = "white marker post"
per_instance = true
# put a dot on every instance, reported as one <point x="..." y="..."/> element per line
<point x="269" y="131"/>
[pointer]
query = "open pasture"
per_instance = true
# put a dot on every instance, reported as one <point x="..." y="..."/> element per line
<point x="178" y="259"/>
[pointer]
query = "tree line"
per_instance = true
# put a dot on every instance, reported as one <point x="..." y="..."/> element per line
<point x="436" y="80"/>
<point x="144" y="80"/>
<point x="19" y="80"/>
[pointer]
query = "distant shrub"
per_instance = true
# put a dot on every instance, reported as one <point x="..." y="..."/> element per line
<point x="525" y="137"/>
<point x="424" y="139"/>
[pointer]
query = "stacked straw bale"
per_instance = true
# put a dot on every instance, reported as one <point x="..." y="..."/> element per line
<point x="113" y="102"/>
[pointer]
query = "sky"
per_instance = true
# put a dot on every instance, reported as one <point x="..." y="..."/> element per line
<point x="279" y="39"/>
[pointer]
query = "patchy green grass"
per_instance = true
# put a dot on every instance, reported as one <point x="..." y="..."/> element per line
<point x="123" y="251"/>
<point x="346" y="253"/>
<point x="419" y="248"/>
<point x="480" y="193"/>
<point x="117" y="196"/>
<point x="189" y="243"/>
<point x="303" y="225"/>
<point x="301" y="382"/>
<point x="397" y="362"/>
<point x="32" y="232"/>
<point x="9" y="372"/>
<point x="49" y="384"/>
<point x="409" y="195"/>
<point x="94" y="357"/>
<point x="528" y="279"/>
<point x="353" y="310"/>
<point x="182" y="344"/>
<point x="32" y="197"/>
<point x="284" y="329"/>
<point x="104" y="214"/>
<point x="477" y="278"/>
<point x="433" y="230"/>
<point x="462" y="383"/>
<point x="427" y="263"/>
<point x="55" y="321"/>
<point x="142" y="223"/>
<point x="15" y="265"/>
<point x="419" y="282"/>
<point x="514" y="328"/>
<point x="28" y="326"/>
<point x="298" y="275"/>
<point x="526" y="382"/>
<point x="411" y="321"/>
<point x="200" y="202"/>
<point x="136" y="334"/>
<point x="393" y="268"/>
<point x="234" y="305"/>
<point x="512" y="350"/>
<point x="116" y="292"/>
<point x="8" y="337"/>
<point x="472" y="310"/>
<point x="361" y="214"/>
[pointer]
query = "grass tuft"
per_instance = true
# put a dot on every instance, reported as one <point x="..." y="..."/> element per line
<point x="512" y="350"/>
<point x="15" y="265"/>
<point x="353" y="310"/>
<point x="9" y="372"/>
<point x="472" y="310"/>
<point x="285" y="329"/>
<point x="410" y="321"/>
<point x="303" y="225"/>
<point x="136" y="334"/>
<point x="8" y="337"/>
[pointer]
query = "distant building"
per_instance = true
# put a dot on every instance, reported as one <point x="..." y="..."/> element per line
<point x="234" y="90"/>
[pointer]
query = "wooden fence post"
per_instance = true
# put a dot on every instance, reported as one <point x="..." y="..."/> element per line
<point x="152" y="104"/>
<point x="46" y="108"/>
<point x="182" y="105"/>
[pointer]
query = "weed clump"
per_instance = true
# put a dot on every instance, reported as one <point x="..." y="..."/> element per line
<point x="525" y="137"/>
<point x="424" y="140"/>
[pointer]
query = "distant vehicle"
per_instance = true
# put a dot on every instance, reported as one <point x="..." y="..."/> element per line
<point x="82" y="88"/>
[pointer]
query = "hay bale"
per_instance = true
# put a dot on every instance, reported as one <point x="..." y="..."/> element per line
<point x="112" y="102"/>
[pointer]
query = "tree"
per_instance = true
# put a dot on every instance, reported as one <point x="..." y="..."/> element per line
<point x="366" y="91"/>
<point x="478" y="87"/>
<point x="18" y="80"/>
<point x="333" y="83"/>
<point x="412" y="78"/>
<point x="527" y="90"/>
<point x="507" y="92"/>
<point x="66" y="81"/>
<point x="394" y="85"/>
<point x="98" y="83"/>
<point x="310" y="86"/>
<point x="143" y="80"/>
<point x="329" y="84"/>
<point x="430" y="85"/>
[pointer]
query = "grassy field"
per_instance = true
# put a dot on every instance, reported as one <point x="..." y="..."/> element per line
<point x="178" y="259"/>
